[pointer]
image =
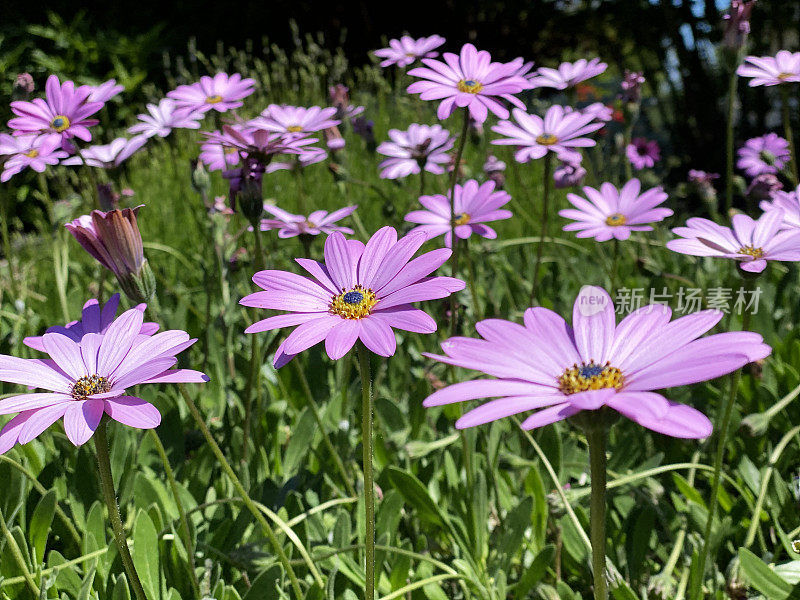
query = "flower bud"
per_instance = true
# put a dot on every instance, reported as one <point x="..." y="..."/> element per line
<point x="201" y="183"/>
<point x="251" y="200"/>
<point x="23" y="87"/>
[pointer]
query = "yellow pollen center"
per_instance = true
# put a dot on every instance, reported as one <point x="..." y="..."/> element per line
<point x="88" y="385"/>
<point x="461" y="219"/>
<point x="215" y="99"/>
<point x="584" y="377"/>
<point x="750" y="251"/>
<point x="410" y="54"/>
<point x="546" y="139"/>
<point x="230" y="150"/>
<point x="60" y="123"/>
<point x="616" y="220"/>
<point x="32" y="153"/>
<point x="784" y="76"/>
<point x="470" y="86"/>
<point x="294" y="128"/>
<point x="356" y="303"/>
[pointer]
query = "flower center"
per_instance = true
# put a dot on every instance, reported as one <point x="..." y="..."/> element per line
<point x="546" y="139"/>
<point x="356" y="303"/>
<point x="616" y="220"/>
<point x="461" y="219"/>
<point x="88" y="385"/>
<point x="294" y="128"/>
<point x="33" y="153"/>
<point x="230" y="150"/>
<point x="215" y="99"/>
<point x="410" y="54"/>
<point x="756" y="253"/>
<point x="784" y="76"/>
<point x="470" y="86"/>
<point x="60" y="123"/>
<point x="590" y="377"/>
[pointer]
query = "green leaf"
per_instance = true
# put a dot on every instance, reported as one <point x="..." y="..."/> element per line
<point x="415" y="494"/>
<point x="41" y="520"/>
<point x="534" y="573"/>
<point x="762" y="577"/>
<point x="145" y="554"/>
<point x="300" y="443"/>
<point x="514" y="526"/>
<point x="265" y="584"/>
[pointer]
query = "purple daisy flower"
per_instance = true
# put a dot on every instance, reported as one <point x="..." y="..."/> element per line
<point x="568" y="74"/>
<point x="765" y="154"/>
<point x="360" y="292"/>
<point x="784" y="67"/>
<point x="750" y="242"/>
<point x="105" y="91"/>
<point x="611" y="213"/>
<point x="320" y="221"/>
<point x="110" y="155"/>
<point x="64" y="112"/>
<point x="215" y="155"/>
<point x="164" y="117"/>
<point x="90" y="378"/>
<point x="560" y="132"/>
<point x="789" y="203"/>
<point x="407" y="50"/>
<point x="474" y="205"/>
<point x="558" y="370"/>
<point x="258" y="143"/>
<point x="470" y="81"/>
<point x="643" y="153"/>
<point x="295" y="119"/>
<point x="29" y="151"/>
<point x="419" y="147"/>
<point x="221" y="93"/>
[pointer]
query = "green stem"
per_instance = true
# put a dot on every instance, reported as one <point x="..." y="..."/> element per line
<point x="18" y="558"/>
<point x="258" y="259"/>
<point x="614" y="266"/>
<point x="12" y="284"/>
<point x="596" y="436"/>
<point x="237" y="484"/>
<point x="421" y="180"/>
<point x="301" y="191"/>
<point x="185" y="531"/>
<point x="548" y="163"/>
<point x="626" y="141"/>
<point x="110" y="496"/>
<point x="729" y="143"/>
<point x="462" y="141"/>
<point x="253" y="382"/>
<point x="787" y="129"/>
<point x="369" y="482"/>
<point x="473" y="289"/>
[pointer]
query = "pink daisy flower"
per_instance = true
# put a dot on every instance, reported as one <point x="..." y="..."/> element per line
<point x="221" y="93"/>
<point x="419" y="147"/>
<point x="559" y="371"/>
<point x="360" y="292"/>
<point x="295" y="119"/>
<point x="765" y="154"/>
<point x="784" y="67"/>
<point x="215" y="155"/>
<point x="750" y="242"/>
<point x="560" y="132"/>
<point x="789" y="203"/>
<point x="105" y="91"/>
<point x="258" y="143"/>
<point x="614" y="213"/>
<point x="407" y="50"/>
<point x="320" y="221"/>
<point x="89" y="378"/>
<point x="110" y="155"/>
<point x="568" y="74"/>
<point x="474" y="205"/>
<point x="309" y="156"/>
<point x="643" y="153"/>
<point x="29" y="151"/>
<point x="64" y="112"/>
<point x="164" y="117"/>
<point x="470" y="81"/>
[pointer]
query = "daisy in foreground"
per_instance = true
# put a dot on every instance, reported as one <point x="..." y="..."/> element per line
<point x="360" y="292"/>
<point x="559" y="371"/>
<point x="474" y="205"/>
<point x="614" y="213"/>
<point x="750" y="242"/>
<point x="784" y="67"/>
<point x="89" y="378"/>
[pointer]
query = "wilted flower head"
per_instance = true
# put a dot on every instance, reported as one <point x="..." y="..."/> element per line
<point x="164" y="117"/>
<point x="364" y="128"/>
<point x="632" y="86"/>
<point x="765" y="154"/>
<point x="407" y="50"/>
<point x="568" y="74"/>
<point x="643" y="153"/>
<point x="108" y="155"/>
<point x="340" y="98"/>
<point x="763" y="186"/>
<point x="559" y="371"/>
<point x="495" y="170"/>
<point x="333" y="139"/>
<point x="568" y="174"/>
<point x="221" y="93"/>
<point x="320" y="221"/>
<point x="23" y="87"/>
<point x="469" y="80"/>
<point x="295" y="119"/>
<point x="419" y="147"/>
<point x="737" y="23"/>
<point x="29" y="151"/>
<point x="105" y="91"/>
<point x="113" y="239"/>
<point x="697" y="176"/>
<point x="784" y="67"/>
<point x="789" y="203"/>
<point x="257" y="144"/>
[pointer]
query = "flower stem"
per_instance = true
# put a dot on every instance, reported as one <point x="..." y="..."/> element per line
<point x="369" y="482"/>
<point x="185" y="531"/>
<point x="548" y="164"/>
<point x="614" y="266"/>
<point x="258" y="259"/>
<point x="110" y="496"/>
<point x="729" y="143"/>
<point x="421" y="180"/>
<point x="251" y="389"/>
<point x="787" y="128"/>
<point x="596" y="436"/>
<point x="4" y="232"/>
<point x="237" y="484"/>
<point x="462" y="141"/>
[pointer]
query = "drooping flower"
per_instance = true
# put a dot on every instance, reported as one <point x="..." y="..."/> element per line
<point x="560" y="132"/>
<point x="360" y="292"/>
<point x="737" y="23"/>
<point x="470" y="81"/>
<point x="631" y="85"/>
<point x="702" y="177"/>
<point x="407" y="50"/>
<point x="559" y="371"/>
<point x="611" y="213"/>
<point x="495" y="170"/>
<point x="784" y="67"/>
<point x="23" y="87"/>
<point x="763" y="186"/>
<point x="110" y="155"/>
<point x="340" y="98"/>
<point x="257" y="144"/>
<point x="750" y="242"/>
<point x="32" y="151"/>
<point x="768" y="153"/>
<point x="598" y="110"/>
<point x="789" y="203"/>
<point x="568" y="174"/>
<point x="333" y="139"/>
<point x="474" y="205"/>
<point x="105" y="91"/>
<point x="319" y="221"/>
<point x="89" y="378"/>
<point x="419" y="147"/>
<point x="164" y="117"/>
<point x="643" y="153"/>
<point x="568" y="74"/>
<point x="221" y="93"/>
<point x="295" y="119"/>
<point x="65" y="111"/>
